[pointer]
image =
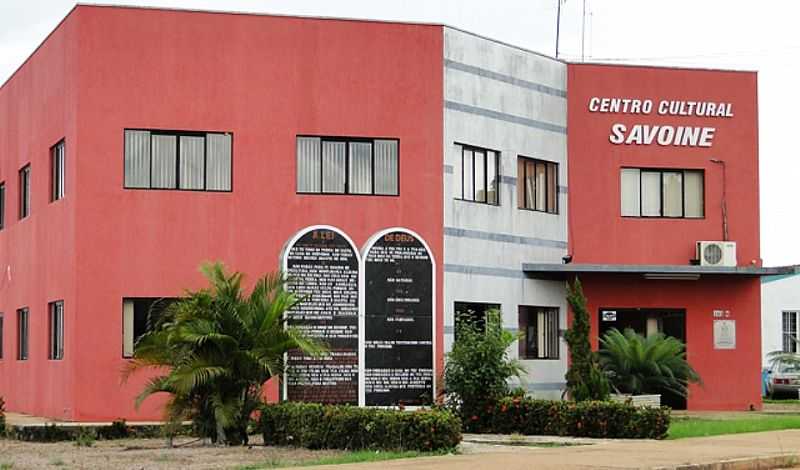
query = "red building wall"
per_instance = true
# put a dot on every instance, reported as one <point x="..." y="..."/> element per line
<point x="265" y="79"/>
<point x="37" y="254"/>
<point x="600" y="235"/>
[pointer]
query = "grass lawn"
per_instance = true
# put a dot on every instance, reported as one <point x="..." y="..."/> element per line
<point x="699" y="427"/>
<point x="350" y="457"/>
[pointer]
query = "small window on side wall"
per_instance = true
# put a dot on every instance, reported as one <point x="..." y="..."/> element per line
<point x="2" y="205"/>
<point x="537" y="185"/>
<point x="57" y="171"/>
<point x="56" y="330"/>
<point x="540" y="332"/>
<point x="22" y="334"/>
<point x="140" y="315"/>
<point x="25" y="191"/>
<point x="476" y="175"/>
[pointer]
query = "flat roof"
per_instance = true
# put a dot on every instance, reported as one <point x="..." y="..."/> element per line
<point x="621" y="63"/>
<point x="651" y="271"/>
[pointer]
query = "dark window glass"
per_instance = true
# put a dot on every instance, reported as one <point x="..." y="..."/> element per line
<point x="478" y="174"/>
<point x="540" y="332"/>
<point x="343" y="165"/>
<point x="195" y="161"/>
<point x="2" y="205"/>
<point x="1" y="335"/>
<point x="139" y="315"/>
<point x="22" y="334"/>
<point x="57" y="171"/>
<point x="537" y="185"/>
<point x="56" y="327"/>
<point x="25" y="191"/>
<point x="473" y="313"/>
<point x="790" y="337"/>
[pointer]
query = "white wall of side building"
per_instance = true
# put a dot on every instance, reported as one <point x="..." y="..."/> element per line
<point x="513" y="101"/>
<point x="778" y="294"/>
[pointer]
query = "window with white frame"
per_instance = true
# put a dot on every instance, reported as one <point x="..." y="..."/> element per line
<point x="140" y="315"/>
<point x="25" y="191"/>
<point x="477" y="175"/>
<point x="22" y="333"/>
<point x="662" y="193"/>
<point x="348" y="165"/>
<point x="789" y="332"/>
<point x="187" y="160"/>
<point x="540" y="332"/>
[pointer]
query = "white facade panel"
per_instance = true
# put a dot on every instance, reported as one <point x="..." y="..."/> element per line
<point x="512" y="101"/>
<point x="778" y="294"/>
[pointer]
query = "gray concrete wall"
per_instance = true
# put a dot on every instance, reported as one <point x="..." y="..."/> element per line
<point x="513" y="101"/>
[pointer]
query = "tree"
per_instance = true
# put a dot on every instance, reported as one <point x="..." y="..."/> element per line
<point x="639" y="365"/>
<point x="213" y="350"/>
<point x="478" y="367"/>
<point x="585" y="379"/>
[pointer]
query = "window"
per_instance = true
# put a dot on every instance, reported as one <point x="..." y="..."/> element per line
<point x="2" y="205"/>
<point x="139" y="315"/>
<point x="539" y="328"/>
<point x="790" y="333"/>
<point x="57" y="171"/>
<point x="472" y="313"/>
<point x="537" y="185"/>
<point x="193" y="161"/>
<point x="22" y="334"/>
<point x="662" y="193"/>
<point x="25" y="191"/>
<point x="1" y="335"/>
<point x="477" y="175"/>
<point x="337" y="165"/>
<point x="56" y="327"/>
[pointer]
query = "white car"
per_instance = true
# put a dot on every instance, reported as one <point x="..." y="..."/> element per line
<point x="784" y="380"/>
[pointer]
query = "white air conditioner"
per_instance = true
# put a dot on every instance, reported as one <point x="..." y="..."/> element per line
<point x="712" y="253"/>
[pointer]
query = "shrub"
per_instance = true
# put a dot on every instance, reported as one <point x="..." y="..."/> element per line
<point x="317" y="426"/>
<point x="601" y="419"/>
<point x="639" y="365"/>
<point x="478" y="367"/>
<point x="585" y="378"/>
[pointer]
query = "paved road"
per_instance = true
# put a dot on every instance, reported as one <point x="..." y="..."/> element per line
<point x="613" y="454"/>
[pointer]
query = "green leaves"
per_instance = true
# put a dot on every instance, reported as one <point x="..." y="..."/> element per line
<point x="215" y="349"/>
<point x="478" y="367"/>
<point x="639" y="365"/>
<point x="585" y="379"/>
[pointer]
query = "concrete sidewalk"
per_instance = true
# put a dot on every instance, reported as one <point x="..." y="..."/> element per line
<point x="778" y="449"/>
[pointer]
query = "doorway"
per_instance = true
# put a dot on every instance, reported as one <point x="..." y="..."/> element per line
<point x="646" y="321"/>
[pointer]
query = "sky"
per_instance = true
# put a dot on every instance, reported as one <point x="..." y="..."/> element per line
<point x="735" y="34"/>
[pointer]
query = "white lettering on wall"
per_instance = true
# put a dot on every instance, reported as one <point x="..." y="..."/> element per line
<point x="664" y="135"/>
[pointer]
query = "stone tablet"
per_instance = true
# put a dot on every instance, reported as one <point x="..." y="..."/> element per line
<point x="398" y="343"/>
<point x="322" y="266"/>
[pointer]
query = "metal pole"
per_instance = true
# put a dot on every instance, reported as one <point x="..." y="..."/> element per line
<point x="558" y="25"/>
<point x="583" y="32"/>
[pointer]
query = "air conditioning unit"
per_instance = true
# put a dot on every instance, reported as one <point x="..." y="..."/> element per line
<point x="717" y="254"/>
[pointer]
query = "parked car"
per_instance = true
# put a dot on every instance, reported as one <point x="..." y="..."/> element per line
<point x="784" y="379"/>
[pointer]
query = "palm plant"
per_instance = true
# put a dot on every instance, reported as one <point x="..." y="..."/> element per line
<point x="639" y="365"/>
<point x="213" y="350"/>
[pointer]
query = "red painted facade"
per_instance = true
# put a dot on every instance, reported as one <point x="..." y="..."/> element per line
<point x="265" y="79"/>
<point x="600" y="235"/>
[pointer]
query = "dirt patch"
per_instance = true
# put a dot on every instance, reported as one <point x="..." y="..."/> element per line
<point x="147" y="454"/>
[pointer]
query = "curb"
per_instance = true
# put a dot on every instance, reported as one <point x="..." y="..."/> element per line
<point x="746" y="463"/>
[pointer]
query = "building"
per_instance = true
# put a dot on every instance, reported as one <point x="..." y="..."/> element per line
<point x="780" y="314"/>
<point x="136" y="143"/>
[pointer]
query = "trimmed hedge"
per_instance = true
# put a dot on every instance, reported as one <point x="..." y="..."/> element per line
<point x="603" y="419"/>
<point x="316" y="426"/>
<point x="73" y="431"/>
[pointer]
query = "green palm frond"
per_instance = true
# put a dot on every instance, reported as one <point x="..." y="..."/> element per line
<point x="214" y="349"/>
<point x="654" y="364"/>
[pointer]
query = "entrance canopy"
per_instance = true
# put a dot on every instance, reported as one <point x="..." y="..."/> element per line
<point x="554" y="271"/>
